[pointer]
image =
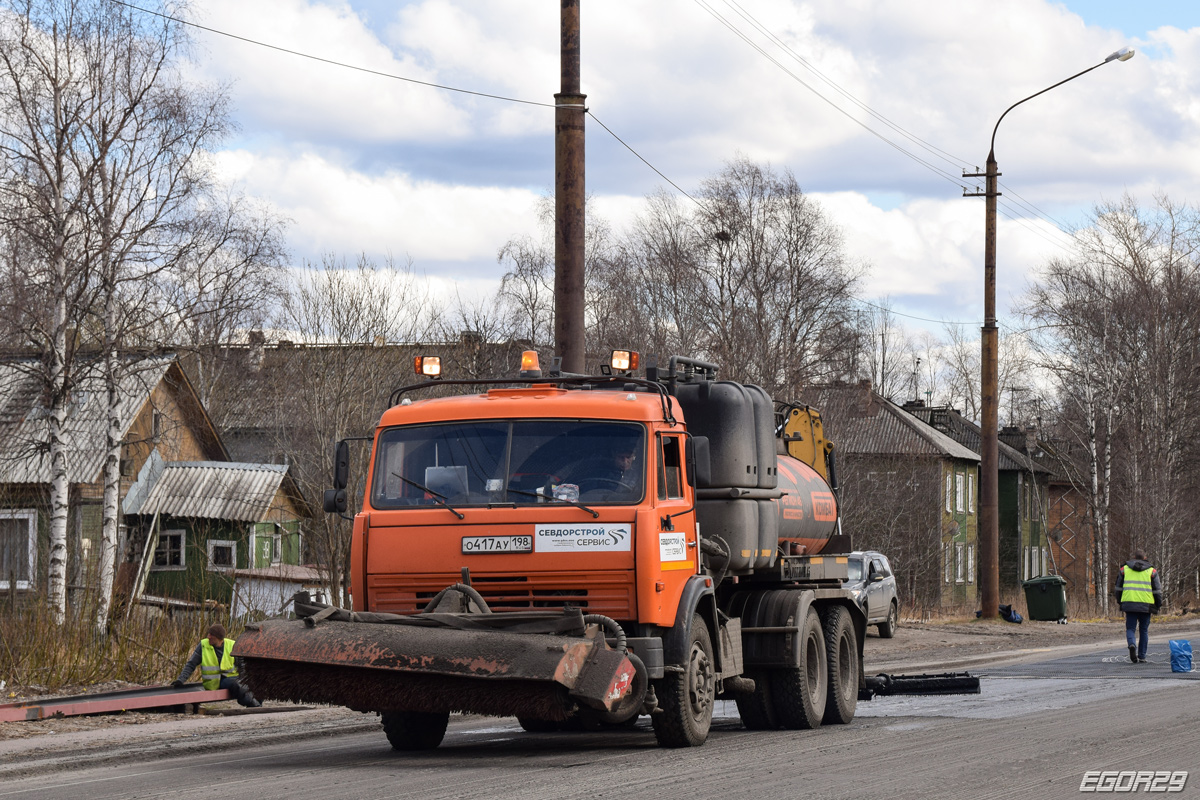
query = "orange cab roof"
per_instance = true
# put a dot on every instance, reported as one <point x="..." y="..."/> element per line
<point x="537" y="401"/>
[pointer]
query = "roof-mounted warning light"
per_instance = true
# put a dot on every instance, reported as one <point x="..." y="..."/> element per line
<point x="530" y="366"/>
<point x="624" y="360"/>
<point x="429" y="366"/>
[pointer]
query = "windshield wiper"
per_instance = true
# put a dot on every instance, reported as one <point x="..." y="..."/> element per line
<point x="554" y="499"/>
<point x="440" y="499"/>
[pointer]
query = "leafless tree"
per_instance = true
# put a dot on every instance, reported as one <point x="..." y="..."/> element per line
<point x="146" y="134"/>
<point x="347" y="318"/>
<point x="45" y="101"/>
<point x="1120" y="331"/>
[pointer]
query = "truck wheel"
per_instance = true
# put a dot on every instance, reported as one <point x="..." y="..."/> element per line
<point x="757" y="709"/>
<point x="539" y="725"/>
<point x="887" y="628"/>
<point x="415" y="730"/>
<point x="841" y="652"/>
<point x="685" y="699"/>
<point x="800" y="692"/>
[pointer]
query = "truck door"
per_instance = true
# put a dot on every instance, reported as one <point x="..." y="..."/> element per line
<point x="876" y="600"/>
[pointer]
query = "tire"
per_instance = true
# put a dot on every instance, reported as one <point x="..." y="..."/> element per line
<point x="757" y="709"/>
<point x="841" y="656"/>
<point x="887" y="628"/>
<point x="415" y="730"/>
<point x="685" y="699"/>
<point x="801" y="692"/>
<point x="539" y="725"/>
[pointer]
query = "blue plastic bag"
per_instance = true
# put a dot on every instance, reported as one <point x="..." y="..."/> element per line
<point x="1181" y="655"/>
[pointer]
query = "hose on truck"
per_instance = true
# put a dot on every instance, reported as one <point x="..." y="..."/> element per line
<point x="463" y="589"/>
<point x="612" y="626"/>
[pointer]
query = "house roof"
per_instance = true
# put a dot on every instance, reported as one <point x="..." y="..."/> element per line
<point x="968" y="433"/>
<point x="24" y="419"/>
<point x="284" y="573"/>
<point x="861" y="422"/>
<point x="205" y="489"/>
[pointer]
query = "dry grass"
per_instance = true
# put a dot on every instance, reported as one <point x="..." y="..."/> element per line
<point x="146" y="648"/>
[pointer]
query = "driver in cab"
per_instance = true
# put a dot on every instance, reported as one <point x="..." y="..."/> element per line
<point x="616" y="474"/>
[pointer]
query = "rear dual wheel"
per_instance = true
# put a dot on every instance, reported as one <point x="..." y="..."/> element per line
<point x="800" y="692"/>
<point x="822" y="689"/>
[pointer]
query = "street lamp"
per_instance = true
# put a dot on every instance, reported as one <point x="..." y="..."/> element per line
<point x="989" y="451"/>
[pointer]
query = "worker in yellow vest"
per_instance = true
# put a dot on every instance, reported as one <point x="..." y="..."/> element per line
<point x="214" y="656"/>
<point x="1140" y="592"/>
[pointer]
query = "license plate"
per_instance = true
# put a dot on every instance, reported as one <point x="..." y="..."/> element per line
<point x="497" y="544"/>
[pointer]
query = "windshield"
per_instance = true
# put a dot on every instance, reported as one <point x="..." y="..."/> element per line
<point x="513" y="462"/>
<point x="854" y="568"/>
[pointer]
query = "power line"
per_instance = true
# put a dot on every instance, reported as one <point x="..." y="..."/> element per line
<point x="931" y="148"/>
<point x="956" y="180"/>
<point x="643" y="160"/>
<point x="378" y="73"/>
<point x="1021" y="203"/>
<point x="329" y="60"/>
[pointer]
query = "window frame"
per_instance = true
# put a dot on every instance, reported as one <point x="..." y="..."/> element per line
<point x="211" y="544"/>
<point x="960" y="565"/>
<point x="30" y="515"/>
<point x="664" y="488"/>
<point x="182" y="565"/>
<point x="949" y="490"/>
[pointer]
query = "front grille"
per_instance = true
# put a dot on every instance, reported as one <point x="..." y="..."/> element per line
<point x="610" y="594"/>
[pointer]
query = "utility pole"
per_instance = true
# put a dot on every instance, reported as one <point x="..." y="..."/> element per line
<point x="569" y="193"/>
<point x="989" y="381"/>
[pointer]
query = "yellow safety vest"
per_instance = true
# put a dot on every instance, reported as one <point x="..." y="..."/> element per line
<point x="211" y="672"/>
<point x="1137" y="587"/>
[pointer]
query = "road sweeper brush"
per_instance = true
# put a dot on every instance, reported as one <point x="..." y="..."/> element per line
<point x="539" y="665"/>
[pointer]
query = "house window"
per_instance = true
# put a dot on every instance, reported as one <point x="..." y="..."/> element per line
<point x="970" y="563"/>
<point x="1026" y="574"/>
<point x="971" y="493"/>
<point x="156" y="424"/>
<point x="170" y="553"/>
<point x="1045" y="562"/>
<point x="949" y="489"/>
<point x="947" y="561"/>
<point x="959" y="562"/>
<point x="18" y="547"/>
<point x="222" y="555"/>
<point x="959" y="487"/>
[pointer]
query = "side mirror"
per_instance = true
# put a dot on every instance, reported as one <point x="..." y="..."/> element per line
<point x="876" y="577"/>
<point x="341" y="464"/>
<point x="699" y="465"/>
<point x="335" y="501"/>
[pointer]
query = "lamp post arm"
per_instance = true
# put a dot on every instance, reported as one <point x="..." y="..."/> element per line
<point x="992" y="150"/>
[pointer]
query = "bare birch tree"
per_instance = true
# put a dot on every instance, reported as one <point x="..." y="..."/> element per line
<point x="146" y="135"/>
<point x="44" y="102"/>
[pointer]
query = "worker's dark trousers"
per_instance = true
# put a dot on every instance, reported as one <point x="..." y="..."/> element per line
<point x="1139" y="620"/>
<point x="240" y="693"/>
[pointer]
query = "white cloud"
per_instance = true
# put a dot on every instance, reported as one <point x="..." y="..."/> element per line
<point x="338" y="209"/>
<point x="365" y="163"/>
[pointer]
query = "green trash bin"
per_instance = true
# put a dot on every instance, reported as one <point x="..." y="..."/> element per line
<point x="1046" y="598"/>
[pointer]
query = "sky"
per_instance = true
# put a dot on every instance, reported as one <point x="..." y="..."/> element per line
<point x="876" y="106"/>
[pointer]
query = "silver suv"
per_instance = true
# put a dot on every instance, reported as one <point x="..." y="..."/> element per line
<point x="874" y="586"/>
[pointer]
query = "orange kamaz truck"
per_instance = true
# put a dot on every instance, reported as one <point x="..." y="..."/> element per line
<point x="582" y="550"/>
